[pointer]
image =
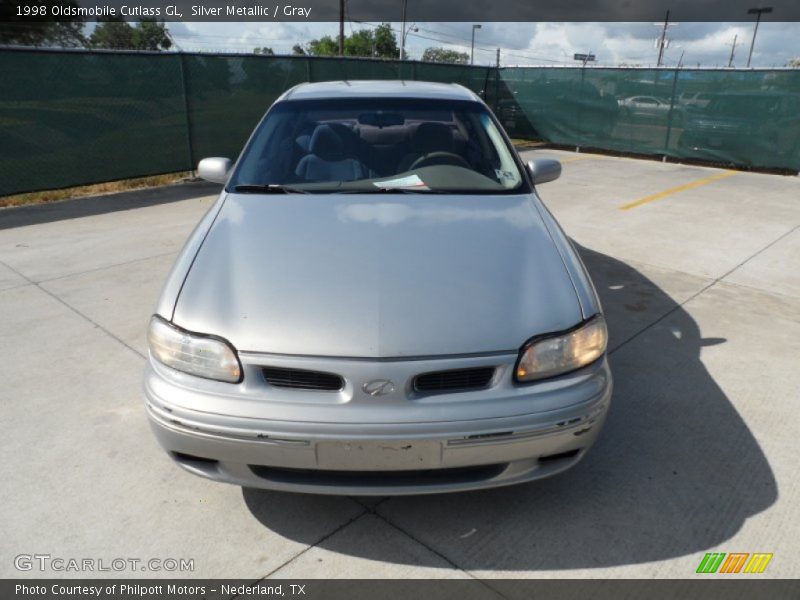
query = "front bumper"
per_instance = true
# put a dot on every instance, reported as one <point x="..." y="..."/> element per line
<point x="502" y="435"/>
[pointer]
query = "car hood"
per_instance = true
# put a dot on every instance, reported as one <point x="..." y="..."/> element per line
<point x="377" y="275"/>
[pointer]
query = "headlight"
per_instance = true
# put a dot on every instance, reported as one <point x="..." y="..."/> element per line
<point x="560" y="353"/>
<point x="191" y="353"/>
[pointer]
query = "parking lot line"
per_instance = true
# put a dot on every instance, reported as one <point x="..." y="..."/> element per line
<point x="582" y="157"/>
<point x="675" y="190"/>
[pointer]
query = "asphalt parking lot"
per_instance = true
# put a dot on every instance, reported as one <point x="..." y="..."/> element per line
<point x="699" y="273"/>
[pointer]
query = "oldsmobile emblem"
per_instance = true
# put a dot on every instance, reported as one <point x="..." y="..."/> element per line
<point x="378" y="387"/>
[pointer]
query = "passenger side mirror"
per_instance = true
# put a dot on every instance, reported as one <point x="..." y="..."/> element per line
<point x="214" y="169"/>
<point x="543" y="170"/>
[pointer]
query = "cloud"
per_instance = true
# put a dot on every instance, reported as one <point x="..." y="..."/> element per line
<point x="708" y="44"/>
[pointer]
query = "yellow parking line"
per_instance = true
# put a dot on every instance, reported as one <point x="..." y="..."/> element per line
<point x="575" y="158"/>
<point x="675" y="190"/>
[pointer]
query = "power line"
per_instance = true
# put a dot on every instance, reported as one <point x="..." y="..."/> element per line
<point x="489" y="50"/>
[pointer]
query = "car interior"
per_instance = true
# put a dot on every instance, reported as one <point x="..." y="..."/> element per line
<point x="377" y="145"/>
<point x="349" y="150"/>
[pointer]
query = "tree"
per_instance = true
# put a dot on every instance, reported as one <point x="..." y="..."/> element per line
<point x="116" y="34"/>
<point x="443" y="55"/>
<point x="113" y="33"/>
<point x="149" y="34"/>
<point x="386" y="42"/>
<point x="265" y="51"/>
<point x="324" y="46"/>
<point x="360" y="43"/>
<point x="40" y="31"/>
<point x="298" y="50"/>
<point x="379" y="43"/>
<point x="794" y="62"/>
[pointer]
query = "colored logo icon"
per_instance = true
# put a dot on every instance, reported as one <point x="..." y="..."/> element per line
<point x="734" y="562"/>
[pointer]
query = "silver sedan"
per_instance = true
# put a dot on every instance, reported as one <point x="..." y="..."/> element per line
<point x="377" y="303"/>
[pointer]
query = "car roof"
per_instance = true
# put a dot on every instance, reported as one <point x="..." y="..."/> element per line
<point x="381" y="89"/>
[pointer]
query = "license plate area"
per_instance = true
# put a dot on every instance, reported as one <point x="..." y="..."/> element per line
<point x="378" y="456"/>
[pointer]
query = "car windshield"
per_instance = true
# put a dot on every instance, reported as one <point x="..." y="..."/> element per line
<point x="375" y="145"/>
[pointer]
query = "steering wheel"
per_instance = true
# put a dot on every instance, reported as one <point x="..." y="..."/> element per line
<point x="440" y="158"/>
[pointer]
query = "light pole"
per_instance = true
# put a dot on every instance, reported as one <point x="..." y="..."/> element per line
<point x="341" y="27"/>
<point x="405" y="33"/>
<point x="758" y="12"/>
<point x="472" y="47"/>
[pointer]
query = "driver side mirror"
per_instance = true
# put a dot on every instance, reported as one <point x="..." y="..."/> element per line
<point x="543" y="170"/>
<point x="215" y="169"/>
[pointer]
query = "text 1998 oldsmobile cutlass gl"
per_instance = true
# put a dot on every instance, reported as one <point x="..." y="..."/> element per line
<point x="377" y="303"/>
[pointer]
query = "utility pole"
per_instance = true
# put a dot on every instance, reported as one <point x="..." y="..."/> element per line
<point x="472" y="47"/>
<point x="412" y="29"/>
<point x="497" y="61"/>
<point x="758" y="12"/>
<point x="733" y="50"/>
<point x="662" y="41"/>
<point x="341" y="27"/>
<point x="403" y="33"/>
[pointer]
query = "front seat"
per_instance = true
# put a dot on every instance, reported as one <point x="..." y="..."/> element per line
<point x="327" y="159"/>
<point x="428" y="138"/>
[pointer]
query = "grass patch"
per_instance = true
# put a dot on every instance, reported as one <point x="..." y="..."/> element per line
<point x="92" y="190"/>
<point x="523" y="143"/>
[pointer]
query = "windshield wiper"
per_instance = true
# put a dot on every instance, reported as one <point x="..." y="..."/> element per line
<point x="394" y="190"/>
<point x="267" y="188"/>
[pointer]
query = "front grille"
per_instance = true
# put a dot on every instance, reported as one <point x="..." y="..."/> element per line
<point x="300" y="379"/>
<point x="456" y="380"/>
<point x="387" y="479"/>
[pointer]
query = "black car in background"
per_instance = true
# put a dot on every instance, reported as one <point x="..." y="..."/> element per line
<point x="758" y="128"/>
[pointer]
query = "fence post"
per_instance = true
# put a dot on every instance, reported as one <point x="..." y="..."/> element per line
<point x="187" y="111"/>
<point x="581" y="92"/>
<point x="669" y="115"/>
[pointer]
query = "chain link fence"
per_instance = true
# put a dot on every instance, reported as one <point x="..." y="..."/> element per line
<point x="78" y="117"/>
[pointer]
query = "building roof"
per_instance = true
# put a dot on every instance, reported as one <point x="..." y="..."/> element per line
<point x="379" y="88"/>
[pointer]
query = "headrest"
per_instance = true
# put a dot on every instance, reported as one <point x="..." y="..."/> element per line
<point x="326" y="143"/>
<point x="304" y="141"/>
<point x="433" y="137"/>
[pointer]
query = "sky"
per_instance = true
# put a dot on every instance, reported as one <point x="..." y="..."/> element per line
<point x="706" y="44"/>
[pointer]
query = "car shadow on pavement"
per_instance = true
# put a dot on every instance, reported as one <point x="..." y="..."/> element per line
<point x="88" y="206"/>
<point x="675" y="472"/>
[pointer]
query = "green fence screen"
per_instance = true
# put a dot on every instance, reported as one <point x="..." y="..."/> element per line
<point x="73" y="118"/>
<point x="77" y="117"/>
<point x="745" y="118"/>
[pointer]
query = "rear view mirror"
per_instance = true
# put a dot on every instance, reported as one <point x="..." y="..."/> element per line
<point x="214" y="169"/>
<point x="381" y="119"/>
<point x="543" y="170"/>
